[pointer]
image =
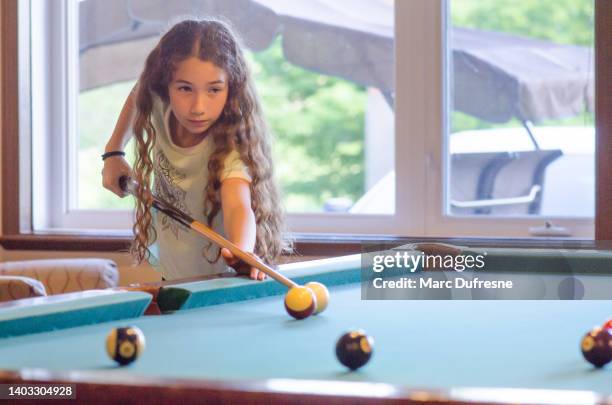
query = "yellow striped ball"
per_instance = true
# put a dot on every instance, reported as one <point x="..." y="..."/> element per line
<point x="300" y="302"/>
<point x="124" y="345"/>
<point x="322" y="295"/>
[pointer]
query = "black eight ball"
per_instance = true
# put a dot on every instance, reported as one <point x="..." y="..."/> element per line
<point x="597" y="346"/>
<point x="354" y="349"/>
<point x="125" y="344"/>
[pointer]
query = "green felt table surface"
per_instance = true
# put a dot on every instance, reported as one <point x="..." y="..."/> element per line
<point x="237" y="330"/>
<point x="433" y="344"/>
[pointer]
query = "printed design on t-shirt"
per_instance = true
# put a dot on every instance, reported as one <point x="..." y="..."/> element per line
<point x="166" y="187"/>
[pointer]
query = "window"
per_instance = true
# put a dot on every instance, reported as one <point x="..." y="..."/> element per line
<point x="506" y="66"/>
<point x="334" y="129"/>
<point x="520" y="137"/>
<point x="376" y="172"/>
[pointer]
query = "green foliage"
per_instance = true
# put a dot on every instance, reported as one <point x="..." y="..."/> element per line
<point x="559" y="21"/>
<point x="98" y="111"/>
<point x="318" y="123"/>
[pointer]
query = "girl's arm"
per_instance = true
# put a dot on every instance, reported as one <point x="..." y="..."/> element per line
<point x="239" y="220"/>
<point x="117" y="166"/>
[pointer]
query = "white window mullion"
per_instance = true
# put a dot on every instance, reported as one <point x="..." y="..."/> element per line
<point x="416" y="51"/>
<point x="25" y="122"/>
<point x="40" y="96"/>
<point x="71" y="88"/>
<point x="57" y="132"/>
<point x="58" y="135"/>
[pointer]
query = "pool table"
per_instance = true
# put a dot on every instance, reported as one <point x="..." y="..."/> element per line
<point x="230" y="340"/>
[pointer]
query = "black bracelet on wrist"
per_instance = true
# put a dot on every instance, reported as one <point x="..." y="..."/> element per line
<point x="113" y="153"/>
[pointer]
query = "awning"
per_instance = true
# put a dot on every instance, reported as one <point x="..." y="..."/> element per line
<point x="496" y="76"/>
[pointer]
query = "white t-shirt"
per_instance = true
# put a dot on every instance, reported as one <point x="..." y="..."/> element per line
<point x="181" y="175"/>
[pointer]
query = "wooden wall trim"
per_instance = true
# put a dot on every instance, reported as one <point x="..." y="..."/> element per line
<point x="603" y="119"/>
<point x="305" y="245"/>
<point x="10" y="117"/>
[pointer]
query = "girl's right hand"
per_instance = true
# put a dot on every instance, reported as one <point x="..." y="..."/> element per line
<point x="114" y="168"/>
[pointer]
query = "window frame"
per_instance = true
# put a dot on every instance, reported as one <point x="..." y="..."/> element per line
<point x="437" y="221"/>
<point x="16" y="218"/>
<point x="61" y="23"/>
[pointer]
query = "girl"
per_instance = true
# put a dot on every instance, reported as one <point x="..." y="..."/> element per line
<point x="199" y="129"/>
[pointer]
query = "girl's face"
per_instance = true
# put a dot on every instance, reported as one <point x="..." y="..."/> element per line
<point x="198" y="93"/>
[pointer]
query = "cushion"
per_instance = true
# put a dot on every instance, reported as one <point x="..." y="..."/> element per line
<point x="66" y="275"/>
<point x="15" y="287"/>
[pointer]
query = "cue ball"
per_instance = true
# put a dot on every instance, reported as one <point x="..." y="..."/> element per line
<point x="300" y="302"/>
<point x="322" y="295"/>
<point x="354" y="349"/>
<point x="597" y="346"/>
<point x="124" y="345"/>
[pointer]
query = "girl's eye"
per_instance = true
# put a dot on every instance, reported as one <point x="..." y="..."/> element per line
<point x="184" y="88"/>
<point x="214" y="90"/>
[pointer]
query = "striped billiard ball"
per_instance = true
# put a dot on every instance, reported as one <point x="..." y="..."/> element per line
<point x="596" y="346"/>
<point x="321" y="294"/>
<point x="354" y="349"/>
<point x="300" y="302"/>
<point x="124" y="345"/>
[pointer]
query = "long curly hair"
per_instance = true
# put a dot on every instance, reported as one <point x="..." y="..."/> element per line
<point x="240" y="127"/>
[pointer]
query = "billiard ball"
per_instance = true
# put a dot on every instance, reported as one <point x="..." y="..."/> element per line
<point x="322" y="295"/>
<point x="300" y="302"/>
<point x="597" y="346"/>
<point x="124" y="345"/>
<point x="354" y="349"/>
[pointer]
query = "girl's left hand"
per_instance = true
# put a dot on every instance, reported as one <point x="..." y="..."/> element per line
<point x="242" y="267"/>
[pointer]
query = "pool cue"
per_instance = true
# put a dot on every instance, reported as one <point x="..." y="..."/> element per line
<point x="129" y="185"/>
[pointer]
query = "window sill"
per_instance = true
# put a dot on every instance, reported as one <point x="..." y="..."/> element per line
<point x="64" y="241"/>
<point x="305" y="244"/>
